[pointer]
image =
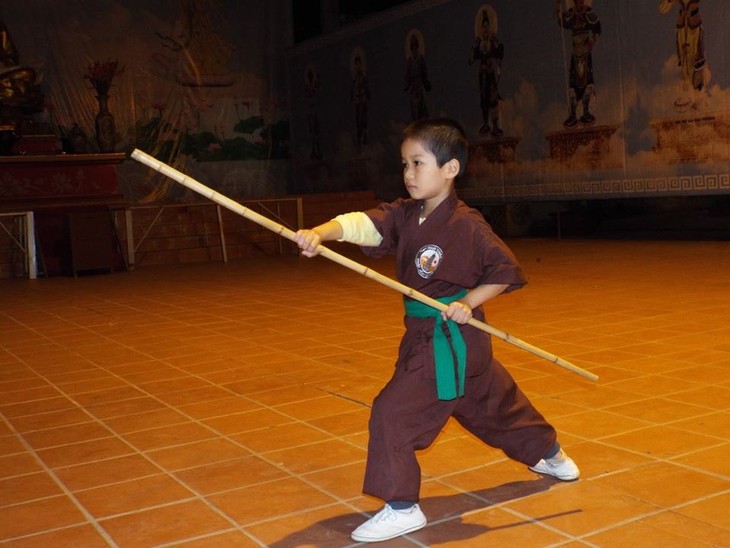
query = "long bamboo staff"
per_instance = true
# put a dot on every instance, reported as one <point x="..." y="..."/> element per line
<point x="281" y="230"/>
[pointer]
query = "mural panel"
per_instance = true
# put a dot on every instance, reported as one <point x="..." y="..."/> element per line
<point x="576" y="99"/>
<point x="192" y="82"/>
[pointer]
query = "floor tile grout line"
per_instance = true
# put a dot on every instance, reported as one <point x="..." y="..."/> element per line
<point x="670" y="424"/>
<point x="194" y="497"/>
<point x="206" y="536"/>
<point x="534" y="520"/>
<point x="654" y="460"/>
<point x="660" y="510"/>
<point x="38" y="534"/>
<point x="633" y="519"/>
<point x="64" y="489"/>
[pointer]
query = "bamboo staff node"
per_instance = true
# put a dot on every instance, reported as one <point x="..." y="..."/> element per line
<point x="289" y="234"/>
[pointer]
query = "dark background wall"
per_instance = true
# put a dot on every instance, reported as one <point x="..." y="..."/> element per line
<point x="218" y="89"/>
<point x="659" y="143"/>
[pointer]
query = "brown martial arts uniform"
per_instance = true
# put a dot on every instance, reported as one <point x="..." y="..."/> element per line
<point x="452" y="250"/>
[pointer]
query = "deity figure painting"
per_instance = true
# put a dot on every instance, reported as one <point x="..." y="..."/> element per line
<point x="416" y="78"/>
<point x="488" y="52"/>
<point x="585" y="28"/>
<point x="311" y="94"/>
<point x="360" y="93"/>
<point x="690" y="44"/>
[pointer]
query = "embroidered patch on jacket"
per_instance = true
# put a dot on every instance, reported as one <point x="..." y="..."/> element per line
<point x="428" y="259"/>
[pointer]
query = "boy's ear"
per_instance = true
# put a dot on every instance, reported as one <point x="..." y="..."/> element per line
<point x="452" y="167"/>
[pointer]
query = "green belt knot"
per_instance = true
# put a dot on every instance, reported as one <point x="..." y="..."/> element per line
<point x="450" y="376"/>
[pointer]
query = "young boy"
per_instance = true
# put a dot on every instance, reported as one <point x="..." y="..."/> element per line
<point x="447" y="251"/>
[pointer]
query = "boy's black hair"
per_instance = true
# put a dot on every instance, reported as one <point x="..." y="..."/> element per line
<point x="442" y="137"/>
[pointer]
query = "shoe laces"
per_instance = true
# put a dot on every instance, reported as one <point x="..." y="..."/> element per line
<point x="386" y="514"/>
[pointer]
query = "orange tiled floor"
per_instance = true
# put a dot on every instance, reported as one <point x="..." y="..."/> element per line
<point x="227" y="405"/>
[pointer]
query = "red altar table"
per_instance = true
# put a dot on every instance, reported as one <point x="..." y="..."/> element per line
<point x="59" y="188"/>
<point x="58" y="178"/>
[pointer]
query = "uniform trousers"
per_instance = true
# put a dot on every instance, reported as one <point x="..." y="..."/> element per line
<point x="407" y="417"/>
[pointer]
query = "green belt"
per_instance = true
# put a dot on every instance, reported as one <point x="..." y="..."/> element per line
<point x="443" y="352"/>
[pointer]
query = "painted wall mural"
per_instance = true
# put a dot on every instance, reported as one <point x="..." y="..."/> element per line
<point x="190" y="81"/>
<point x="563" y="99"/>
<point x="575" y="99"/>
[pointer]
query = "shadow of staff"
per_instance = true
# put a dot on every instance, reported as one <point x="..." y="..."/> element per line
<point x="334" y="532"/>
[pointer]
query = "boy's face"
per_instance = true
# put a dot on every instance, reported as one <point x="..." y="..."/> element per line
<point x="423" y="178"/>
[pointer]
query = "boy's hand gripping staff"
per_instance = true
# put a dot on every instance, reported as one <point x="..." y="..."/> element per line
<point x="281" y="230"/>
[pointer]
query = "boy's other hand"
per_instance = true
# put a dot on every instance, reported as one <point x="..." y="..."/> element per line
<point x="458" y="311"/>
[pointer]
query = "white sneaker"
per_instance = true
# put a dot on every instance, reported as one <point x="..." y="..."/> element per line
<point x="389" y="523"/>
<point x="560" y="466"/>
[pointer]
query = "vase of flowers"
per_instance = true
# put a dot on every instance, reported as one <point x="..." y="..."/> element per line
<point x="101" y="74"/>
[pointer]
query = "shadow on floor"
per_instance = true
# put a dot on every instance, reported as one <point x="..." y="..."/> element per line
<point x="335" y="531"/>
